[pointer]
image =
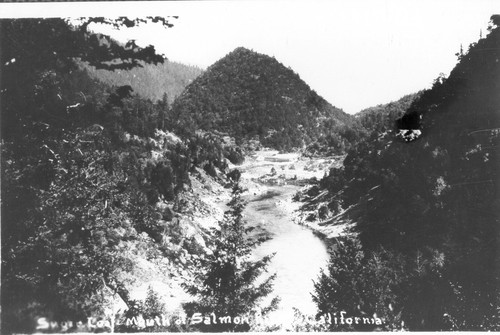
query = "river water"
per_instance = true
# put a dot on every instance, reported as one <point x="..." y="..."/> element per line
<point x="300" y="254"/>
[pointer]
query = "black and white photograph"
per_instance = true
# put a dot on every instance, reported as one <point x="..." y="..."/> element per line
<point x="250" y="166"/>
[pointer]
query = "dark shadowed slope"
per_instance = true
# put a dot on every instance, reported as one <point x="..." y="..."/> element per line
<point x="428" y="205"/>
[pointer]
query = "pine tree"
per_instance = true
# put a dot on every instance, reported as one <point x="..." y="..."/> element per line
<point x="163" y="111"/>
<point x="226" y="284"/>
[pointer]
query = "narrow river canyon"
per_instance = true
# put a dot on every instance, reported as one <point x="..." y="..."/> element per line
<point x="269" y="180"/>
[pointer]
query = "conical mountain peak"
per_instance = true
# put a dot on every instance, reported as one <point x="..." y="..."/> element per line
<point x="250" y="95"/>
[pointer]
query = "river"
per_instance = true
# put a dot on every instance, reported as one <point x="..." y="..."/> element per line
<point x="299" y="254"/>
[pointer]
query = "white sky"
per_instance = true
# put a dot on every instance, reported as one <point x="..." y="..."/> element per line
<point x="356" y="54"/>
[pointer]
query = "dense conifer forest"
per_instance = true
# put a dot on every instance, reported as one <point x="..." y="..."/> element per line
<point x="250" y="95"/>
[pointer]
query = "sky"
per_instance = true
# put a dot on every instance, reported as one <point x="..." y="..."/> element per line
<point x="356" y="54"/>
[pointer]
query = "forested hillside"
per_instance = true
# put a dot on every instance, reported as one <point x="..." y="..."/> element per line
<point x="426" y="209"/>
<point x="94" y="187"/>
<point x="151" y="81"/>
<point x="369" y="123"/>
<point x="251" y="95"/>
<point x="381" y="118"/>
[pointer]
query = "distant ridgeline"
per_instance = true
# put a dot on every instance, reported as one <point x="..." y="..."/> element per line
<point x="370" y="123"/>
<point x="150" y="81"/>
<point x="250" y="95"/>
